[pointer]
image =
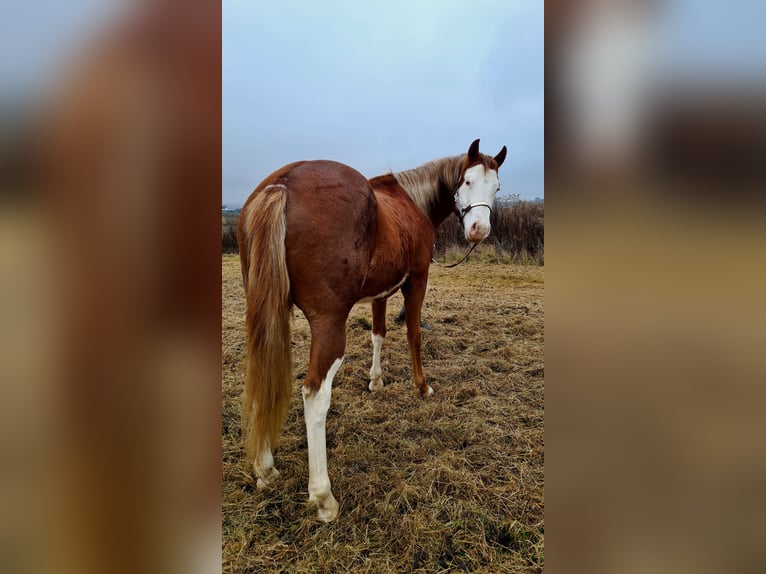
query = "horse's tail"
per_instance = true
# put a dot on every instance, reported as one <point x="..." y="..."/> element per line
<point x="261" y="235"/>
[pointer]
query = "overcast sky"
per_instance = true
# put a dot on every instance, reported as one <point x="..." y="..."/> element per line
<point x="381" y="85"/>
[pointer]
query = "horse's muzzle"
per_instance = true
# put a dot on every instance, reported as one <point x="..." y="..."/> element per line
<point x="477" y="232"/>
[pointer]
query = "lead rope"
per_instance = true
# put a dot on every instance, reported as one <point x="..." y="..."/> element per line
<point x="459" y="262"/>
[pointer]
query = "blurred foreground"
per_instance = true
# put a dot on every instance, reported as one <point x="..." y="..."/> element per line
<point x="110" y="117"/>
<point x="655" y="147"/>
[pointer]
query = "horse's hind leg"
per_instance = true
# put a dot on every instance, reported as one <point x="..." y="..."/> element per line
<point x="328" y="343"/>
<point x="378" y="336"/>
<point x="264" y="466"/>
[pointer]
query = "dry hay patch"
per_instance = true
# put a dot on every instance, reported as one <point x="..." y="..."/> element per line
<point x="450" y="483"/>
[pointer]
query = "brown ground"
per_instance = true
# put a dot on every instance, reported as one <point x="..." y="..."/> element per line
<point x="449" y="483"/>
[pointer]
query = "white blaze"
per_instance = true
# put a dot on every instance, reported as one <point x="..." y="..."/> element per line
<point x="479" y="186"/>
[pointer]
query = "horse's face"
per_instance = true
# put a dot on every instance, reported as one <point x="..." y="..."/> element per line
<point x="476" y="194"/>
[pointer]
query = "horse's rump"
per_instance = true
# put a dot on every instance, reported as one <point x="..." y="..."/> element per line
<point x="331" y="225"/>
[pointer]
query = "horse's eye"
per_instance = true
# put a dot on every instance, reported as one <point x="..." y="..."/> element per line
<point x="468" y="182"/>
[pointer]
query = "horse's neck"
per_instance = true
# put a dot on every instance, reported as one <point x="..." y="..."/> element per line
<point x="431" y="187"/>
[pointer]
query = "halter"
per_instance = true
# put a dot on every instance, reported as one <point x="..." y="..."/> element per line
<point x="461" y="213"/>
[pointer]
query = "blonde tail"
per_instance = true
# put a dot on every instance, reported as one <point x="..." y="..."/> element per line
<point x="268" y="383"/>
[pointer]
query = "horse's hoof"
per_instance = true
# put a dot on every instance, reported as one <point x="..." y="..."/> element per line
<point x="267" y="481"/>
<point x="376" y="384"/>
<point x="428" y="393"/>
<point x="327" y="511"/>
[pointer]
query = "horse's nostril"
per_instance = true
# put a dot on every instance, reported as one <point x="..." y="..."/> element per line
<point x="477" y="229"/>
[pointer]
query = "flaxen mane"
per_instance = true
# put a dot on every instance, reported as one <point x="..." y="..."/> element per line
<point x="429" y="183"/>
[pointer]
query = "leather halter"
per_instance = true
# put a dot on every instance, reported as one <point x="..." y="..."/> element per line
<point x="460" y="215"/>
<point x="461" y="212"/>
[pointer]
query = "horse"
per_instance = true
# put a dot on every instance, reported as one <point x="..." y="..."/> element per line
<point x="320" y="236"/>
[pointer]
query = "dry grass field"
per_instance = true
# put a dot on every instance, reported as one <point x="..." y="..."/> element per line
<point x="450" y="483"/>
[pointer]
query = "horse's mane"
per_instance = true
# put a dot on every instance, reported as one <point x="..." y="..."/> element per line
<point x="427" y="183"/>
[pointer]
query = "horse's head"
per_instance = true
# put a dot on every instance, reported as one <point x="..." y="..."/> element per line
<point x="475" y="195"/>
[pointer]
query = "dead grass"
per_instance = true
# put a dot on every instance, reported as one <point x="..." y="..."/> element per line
<point x="447" y="484"/>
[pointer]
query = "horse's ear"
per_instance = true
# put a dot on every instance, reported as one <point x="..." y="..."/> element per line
<point x="473" y="151"/>
<point x="500" y="157"/>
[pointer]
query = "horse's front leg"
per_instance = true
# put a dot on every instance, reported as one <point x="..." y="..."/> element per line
<point x="414" y="291"/>
<point x="378" y="336"/>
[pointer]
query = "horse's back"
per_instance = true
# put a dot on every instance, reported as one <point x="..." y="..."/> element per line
<point x="331" y="225"/>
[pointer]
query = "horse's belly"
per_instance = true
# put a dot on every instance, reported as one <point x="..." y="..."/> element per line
<point x="383" y="292"/>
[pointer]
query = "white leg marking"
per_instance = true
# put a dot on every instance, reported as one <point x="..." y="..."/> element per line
<point x="376" y="380"/>
<point x="264" y="468"/>
<point x="315" y="406"/>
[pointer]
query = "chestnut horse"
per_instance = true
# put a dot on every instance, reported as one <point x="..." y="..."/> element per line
<point x="319" y="235"/>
